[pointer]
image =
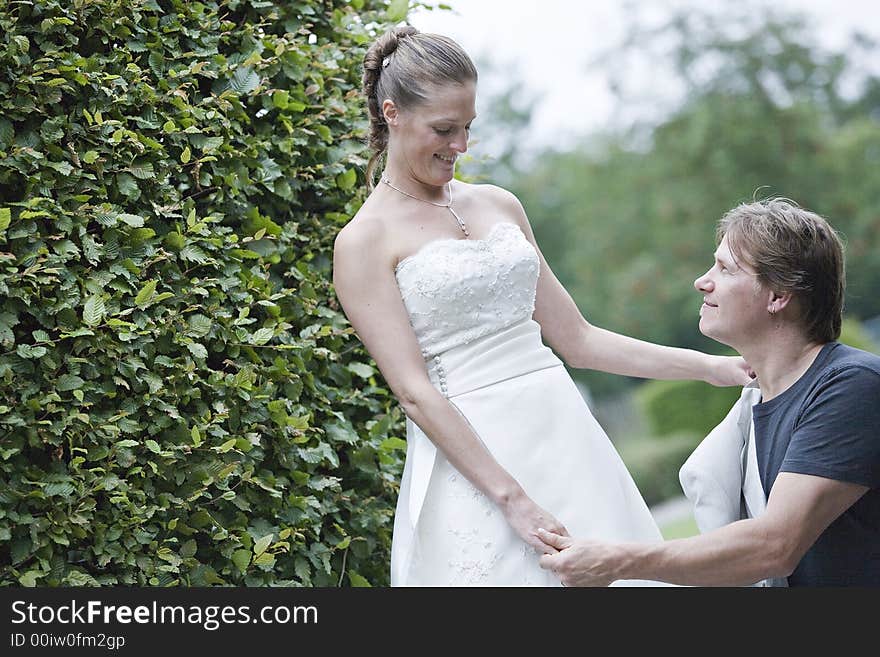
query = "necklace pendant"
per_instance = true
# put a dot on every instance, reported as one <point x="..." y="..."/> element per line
<point x="460" y="221"/>
<point x="447" y="205"/>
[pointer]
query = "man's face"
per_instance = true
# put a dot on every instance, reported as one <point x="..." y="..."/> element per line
<point x="735" y="304"/>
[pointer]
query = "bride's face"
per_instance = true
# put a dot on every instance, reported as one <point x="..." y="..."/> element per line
<point x="426" y="140"/>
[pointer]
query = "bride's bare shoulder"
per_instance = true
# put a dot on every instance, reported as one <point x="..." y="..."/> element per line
<point x="486" y="192"/>
<point x="497" y="197"/>
<point x="364" y="236"/>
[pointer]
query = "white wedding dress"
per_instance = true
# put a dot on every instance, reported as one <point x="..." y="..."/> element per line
<point x="470" y="303"/>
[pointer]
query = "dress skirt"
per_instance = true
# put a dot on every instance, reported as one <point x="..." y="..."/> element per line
<point x="523" y="405"/>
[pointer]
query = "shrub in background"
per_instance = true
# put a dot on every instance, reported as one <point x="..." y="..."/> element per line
<point x="654" y="464"/>
<point x="679" y="414"/>
<point x="181" y="401"/>
<point x="675" y="407"/>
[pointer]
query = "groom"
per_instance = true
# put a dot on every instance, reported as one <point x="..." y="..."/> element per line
<point x="775" y="294"/>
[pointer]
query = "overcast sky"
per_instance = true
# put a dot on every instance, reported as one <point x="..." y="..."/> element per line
<point x="548" y="44"/>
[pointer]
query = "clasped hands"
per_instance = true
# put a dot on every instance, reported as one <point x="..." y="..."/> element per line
<point x="577" y="562"/>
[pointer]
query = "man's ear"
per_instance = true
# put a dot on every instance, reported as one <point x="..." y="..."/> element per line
<point x="389" y="111"/>
<point x="777" y="301"/>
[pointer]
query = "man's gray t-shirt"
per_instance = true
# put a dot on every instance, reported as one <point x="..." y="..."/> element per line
<point x="828" y="424"/>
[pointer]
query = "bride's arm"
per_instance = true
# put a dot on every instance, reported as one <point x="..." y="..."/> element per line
<point x="583" y="345"/>
<point x="363" y="275"/>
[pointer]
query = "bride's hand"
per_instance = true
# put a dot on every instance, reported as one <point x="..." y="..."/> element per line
<point x="526" y="517"/>
<point x="729" y="371"/>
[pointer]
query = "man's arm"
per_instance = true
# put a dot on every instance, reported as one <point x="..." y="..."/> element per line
<point x="799" y="509"/>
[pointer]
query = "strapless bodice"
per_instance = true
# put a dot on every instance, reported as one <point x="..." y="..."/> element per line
<point x="458" y="290"/>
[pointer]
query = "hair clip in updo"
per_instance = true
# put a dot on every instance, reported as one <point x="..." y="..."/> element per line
<point x="385" y="62"/>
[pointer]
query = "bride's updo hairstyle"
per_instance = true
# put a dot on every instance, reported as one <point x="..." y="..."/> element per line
<point x="402" y="65"/>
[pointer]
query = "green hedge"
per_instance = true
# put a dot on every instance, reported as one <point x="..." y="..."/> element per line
<point x="181" y="400"/>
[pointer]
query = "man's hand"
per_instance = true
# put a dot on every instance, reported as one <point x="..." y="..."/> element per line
<point x="579" y="562"/>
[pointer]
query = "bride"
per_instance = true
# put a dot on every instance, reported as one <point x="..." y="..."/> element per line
<point x="449" y="293"/>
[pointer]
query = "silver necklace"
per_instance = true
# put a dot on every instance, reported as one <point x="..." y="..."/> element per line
<point x="447" y="205"/>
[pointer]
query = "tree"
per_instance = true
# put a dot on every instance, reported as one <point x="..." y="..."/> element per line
<point x="627" y="218"/>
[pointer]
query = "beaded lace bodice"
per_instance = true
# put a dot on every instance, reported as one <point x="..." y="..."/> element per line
<point x="458" y="290"/>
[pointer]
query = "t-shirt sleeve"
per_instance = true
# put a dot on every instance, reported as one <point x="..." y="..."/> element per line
<point x="838" y="433"/>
